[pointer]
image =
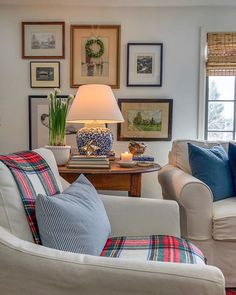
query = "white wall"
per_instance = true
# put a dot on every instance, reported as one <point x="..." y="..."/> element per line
<point x="177" y="28"/>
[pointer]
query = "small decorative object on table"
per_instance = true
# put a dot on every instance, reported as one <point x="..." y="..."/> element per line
<point x="58" y="109"/>
<point x="137" y="148"/>
<point x="128" y="164"/>
<point x="126" y="157"/>
<point x="126" y="160"/>
<point x="90" y="148"/>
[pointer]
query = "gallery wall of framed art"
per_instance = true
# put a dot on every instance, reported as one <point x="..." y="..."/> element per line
<point x="95" y="59"/>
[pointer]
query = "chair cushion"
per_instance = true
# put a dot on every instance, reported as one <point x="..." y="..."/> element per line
<point x="211" y="166"/>
<point x="224" y="219"/>
<point x="12" y="213"/>
<point x="160" y="248"/>
<point x="73" y="221"/>
<point x="178" y="155"/>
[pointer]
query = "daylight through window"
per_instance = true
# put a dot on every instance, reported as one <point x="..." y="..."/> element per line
<point x="221" y="86"/>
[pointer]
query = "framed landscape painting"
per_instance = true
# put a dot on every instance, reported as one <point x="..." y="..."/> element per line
<point x="144" y="64"/>
<point x="44" y="74"/>
<point x="43" y="40"/>
<point x="95" y="55"/>
<point x="145" y="119"/>
<point x="39" y="122"/>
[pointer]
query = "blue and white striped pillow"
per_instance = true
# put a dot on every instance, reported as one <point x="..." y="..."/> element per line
<point x="75" y="220"/>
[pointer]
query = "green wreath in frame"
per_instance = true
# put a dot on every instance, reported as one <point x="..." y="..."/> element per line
<point x="90" y="52"/>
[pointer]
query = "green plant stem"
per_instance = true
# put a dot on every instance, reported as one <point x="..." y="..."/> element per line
<point x="58" y="109"/>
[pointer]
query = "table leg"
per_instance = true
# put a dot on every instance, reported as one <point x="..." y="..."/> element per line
<point x="135" y="186"/>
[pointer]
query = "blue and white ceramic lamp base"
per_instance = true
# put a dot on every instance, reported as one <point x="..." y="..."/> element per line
<point x="102" y="138"/>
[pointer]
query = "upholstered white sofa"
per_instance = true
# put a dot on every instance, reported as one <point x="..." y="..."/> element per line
<point x="209" y="225"/>
<point x="27" y="268"/>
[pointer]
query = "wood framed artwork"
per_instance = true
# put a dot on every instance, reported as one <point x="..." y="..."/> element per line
<point x="95" y="55"/>
<point x="39" y="122"/>
<point x="44" y="74"/>
<point x="144" y="64"/>
<point x="145" y="119"/>
<point x="43" y="40"/>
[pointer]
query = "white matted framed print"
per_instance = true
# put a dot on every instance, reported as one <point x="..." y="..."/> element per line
<point x="144" y="64"/>
<point x="39" y="123"/>
<point x="95" y="55"/>
<point x="44" y="74"/>
<point x="43" y="40"/>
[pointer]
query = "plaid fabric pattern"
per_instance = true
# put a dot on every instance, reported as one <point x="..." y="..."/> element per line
<point x="161" y="248"/>
<point x="33" y="176"/>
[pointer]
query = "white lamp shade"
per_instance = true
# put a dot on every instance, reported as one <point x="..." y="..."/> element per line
<point x="94" y="103"/>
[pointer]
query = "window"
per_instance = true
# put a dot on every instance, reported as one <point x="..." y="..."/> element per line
<point x="221" y="86"/>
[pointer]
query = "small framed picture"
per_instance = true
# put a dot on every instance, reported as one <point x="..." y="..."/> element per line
<point x="44" y="74"/>
<point x="145" y="119"/>
<point x="95" y="55"/>
<point x="39" y="123"/>
<point x="144" y="64"/>
<point x="43" y="40"/>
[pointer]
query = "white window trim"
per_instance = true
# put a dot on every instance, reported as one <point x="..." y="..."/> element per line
<point x="202" y="75"/>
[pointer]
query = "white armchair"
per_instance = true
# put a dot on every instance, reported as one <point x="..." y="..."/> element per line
<point x="27" y="268"/>
<point x="210" y="226"/>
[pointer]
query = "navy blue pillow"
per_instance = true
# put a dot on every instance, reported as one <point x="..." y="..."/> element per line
<point x="212" y="167"/>
<point x="232" y="161"/>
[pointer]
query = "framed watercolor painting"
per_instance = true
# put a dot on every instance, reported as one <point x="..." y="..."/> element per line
<point x="145" y="119"/>
<point x="44" y="74"/>
<point x="43" y="40"/>
<point x="95" y="55"/>
<point x="144" y="64"/>
<point x="39" y="122"/>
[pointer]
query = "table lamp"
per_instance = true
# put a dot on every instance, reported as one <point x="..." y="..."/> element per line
<point x="95" y="105"/>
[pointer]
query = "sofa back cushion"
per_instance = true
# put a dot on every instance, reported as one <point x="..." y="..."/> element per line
<point x="12" y="213"/>
<point x="179" y="157"/>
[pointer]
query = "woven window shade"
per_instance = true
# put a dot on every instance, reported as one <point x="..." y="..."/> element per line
<point x="221" y="54"/>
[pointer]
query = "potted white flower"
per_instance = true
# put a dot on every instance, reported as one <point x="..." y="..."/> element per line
<point x="58" y="109"/>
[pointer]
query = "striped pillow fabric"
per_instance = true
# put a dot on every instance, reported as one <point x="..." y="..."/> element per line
<point x="73" y="221"/>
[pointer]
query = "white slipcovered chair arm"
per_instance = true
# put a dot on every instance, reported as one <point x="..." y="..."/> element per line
<point x="27" y="268"/>
<point x="140" y="216"/>
<point x="195" y="199"/>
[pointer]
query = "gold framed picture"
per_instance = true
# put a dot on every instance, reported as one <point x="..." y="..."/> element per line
<point x="145" y="119"/>
<point x="95" y="55"/>
<point x="43" y="40"/>
<point x="44" y="74"/>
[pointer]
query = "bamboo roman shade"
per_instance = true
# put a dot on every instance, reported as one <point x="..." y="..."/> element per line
<point x="221" y="54"/>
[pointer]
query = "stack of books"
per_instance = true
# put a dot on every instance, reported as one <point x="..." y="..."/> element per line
<point x="80" y="161"/>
